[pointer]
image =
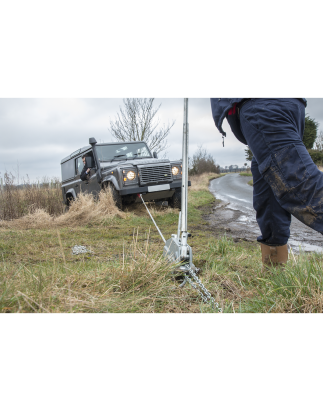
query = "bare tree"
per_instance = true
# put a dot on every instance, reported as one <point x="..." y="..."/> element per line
<point x="136" y="122"/>
<point x="318" y="145"/>
<point x="202" y="162"/>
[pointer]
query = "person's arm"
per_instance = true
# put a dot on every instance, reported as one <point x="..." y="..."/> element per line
<point x="219" y="107"/>
<point x="85" y="173"/>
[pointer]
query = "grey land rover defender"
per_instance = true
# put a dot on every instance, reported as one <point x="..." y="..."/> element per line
<point x="128" y="169"/>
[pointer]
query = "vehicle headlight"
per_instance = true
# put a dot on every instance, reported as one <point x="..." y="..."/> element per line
<point x="131" y="175"/>
<point x="175" y="171"/>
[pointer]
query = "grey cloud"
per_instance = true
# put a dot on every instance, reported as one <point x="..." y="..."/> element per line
<point x="38" y="133"/>
<point x="315" y="110"/>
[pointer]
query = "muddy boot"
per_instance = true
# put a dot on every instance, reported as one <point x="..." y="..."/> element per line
<point x="274" y="256"/>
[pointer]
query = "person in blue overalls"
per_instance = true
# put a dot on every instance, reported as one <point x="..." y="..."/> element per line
<point x="285" y="179"/>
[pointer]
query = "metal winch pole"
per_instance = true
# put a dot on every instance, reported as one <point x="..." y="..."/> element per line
<point x="184" y="251"/>
<point x="176" y="248"/>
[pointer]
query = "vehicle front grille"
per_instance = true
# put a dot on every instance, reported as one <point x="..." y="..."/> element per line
<point x="155" y="174"/>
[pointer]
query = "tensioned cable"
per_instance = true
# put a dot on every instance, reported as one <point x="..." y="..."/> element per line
<point x="153" y="219"/>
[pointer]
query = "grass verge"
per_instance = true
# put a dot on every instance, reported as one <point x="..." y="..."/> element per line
<point x="125" y="271"/>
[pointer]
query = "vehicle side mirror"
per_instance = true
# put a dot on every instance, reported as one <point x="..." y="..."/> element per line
<point x="155" y="154"/>
<point x="89" y="161"/>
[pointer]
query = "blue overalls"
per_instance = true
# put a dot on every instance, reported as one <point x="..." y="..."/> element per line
<point x="285" y="180"/>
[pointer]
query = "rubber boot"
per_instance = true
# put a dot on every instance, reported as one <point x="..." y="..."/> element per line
<point x="274" y="256"/>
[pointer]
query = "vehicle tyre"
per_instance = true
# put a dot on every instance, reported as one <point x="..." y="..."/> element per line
<point x="69" y="200"/>
<point x="116" y="196"/>
<point x="176" y="200"/>
<point x="128" y="200"/>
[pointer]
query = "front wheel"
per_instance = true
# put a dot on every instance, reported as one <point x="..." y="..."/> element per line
<point x="69" y="201"/>
<point x="176" y="200"/>
<point x="116" y="196"/>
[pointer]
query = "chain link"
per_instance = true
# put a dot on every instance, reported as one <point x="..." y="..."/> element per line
<point x="197" y="284"/>
<point x="190" y="274"/>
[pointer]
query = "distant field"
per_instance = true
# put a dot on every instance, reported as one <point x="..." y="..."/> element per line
<point x="245" y="174"/>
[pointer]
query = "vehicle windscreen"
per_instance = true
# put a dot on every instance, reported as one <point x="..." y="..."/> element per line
<point x="122" y="151"/>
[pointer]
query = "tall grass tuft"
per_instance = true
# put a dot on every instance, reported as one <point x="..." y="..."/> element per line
<point x="296" y="289"/>
<point x="201" y="181"/>
<point x="83" y="211"/>
<point x="138" y="280"/>
<point x="18" y="201"/>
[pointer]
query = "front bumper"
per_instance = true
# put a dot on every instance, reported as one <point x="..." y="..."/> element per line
<point x="144" y="190"/>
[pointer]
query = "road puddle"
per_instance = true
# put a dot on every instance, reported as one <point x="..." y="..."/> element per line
<point x="236" y="216"/>
<point x="299" y="246"/>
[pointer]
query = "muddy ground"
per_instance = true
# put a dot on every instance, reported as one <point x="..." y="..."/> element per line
<point x="233" y="214"/>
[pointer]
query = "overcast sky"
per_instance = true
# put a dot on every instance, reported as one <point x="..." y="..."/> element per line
<point x="36" y="134"/>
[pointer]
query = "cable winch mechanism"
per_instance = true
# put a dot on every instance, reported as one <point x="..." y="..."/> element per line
<point x="176" y="248"/>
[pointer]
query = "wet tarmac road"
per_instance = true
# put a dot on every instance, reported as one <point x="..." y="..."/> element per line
<point x="235" y="213"/>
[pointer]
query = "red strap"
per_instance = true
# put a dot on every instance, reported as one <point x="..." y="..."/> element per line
<point x="232" y="110"/>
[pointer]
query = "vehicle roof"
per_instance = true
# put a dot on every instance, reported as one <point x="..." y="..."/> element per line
<point x="86" y="148"/>
<point x="120" y="142"/>
<point x="75" y="153"/>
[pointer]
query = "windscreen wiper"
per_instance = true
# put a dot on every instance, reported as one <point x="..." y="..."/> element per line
<point x="120" y="155"/>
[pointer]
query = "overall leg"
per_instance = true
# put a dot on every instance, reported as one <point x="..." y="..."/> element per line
<point x="273" y="220"/>
<point x="274" y="130"/>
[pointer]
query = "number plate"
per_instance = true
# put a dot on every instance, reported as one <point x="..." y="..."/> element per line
<point x="162" y="187"/>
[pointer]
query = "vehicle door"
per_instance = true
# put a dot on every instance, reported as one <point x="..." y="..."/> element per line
<point x="91" y="185"/>
<point x="78" y="170"/>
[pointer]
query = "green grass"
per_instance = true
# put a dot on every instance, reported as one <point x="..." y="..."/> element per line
<point x="298" y="288"/>
<point x="126" y="271"/>
<point x="250" y="182"/>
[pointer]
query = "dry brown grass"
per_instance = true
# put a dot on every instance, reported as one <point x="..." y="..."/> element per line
<point x="202" y="181"/>
<point x="82" y="211"/>
<point x="16" y="202"/>
<point x="39" y="208"/>
<point x="125" y="271"/>
<point x="140" y="280"/>
<point x="32" y="207"/>
<point x="300" y="303"/>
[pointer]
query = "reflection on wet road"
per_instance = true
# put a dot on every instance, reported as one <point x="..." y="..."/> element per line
<point x="236" y="214"/>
